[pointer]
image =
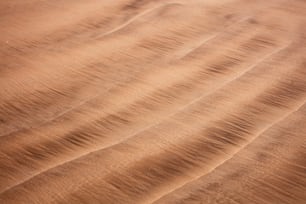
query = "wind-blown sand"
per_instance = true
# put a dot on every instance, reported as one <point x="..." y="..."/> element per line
<point x="142" y="101"/>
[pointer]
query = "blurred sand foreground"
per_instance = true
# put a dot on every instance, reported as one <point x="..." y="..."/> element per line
<point x="153" y="101"/>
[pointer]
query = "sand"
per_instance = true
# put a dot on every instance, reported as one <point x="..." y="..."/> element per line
<point x="142" y="101"/>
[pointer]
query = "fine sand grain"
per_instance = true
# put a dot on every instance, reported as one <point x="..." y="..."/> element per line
<point x="153" y="101"/>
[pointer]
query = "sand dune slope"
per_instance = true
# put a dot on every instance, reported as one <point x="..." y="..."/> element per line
<point x="142" y="101"/>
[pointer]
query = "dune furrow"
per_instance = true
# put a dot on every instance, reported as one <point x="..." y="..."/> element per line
<point x="39" y="152"/>
<point x="163" y="119"/>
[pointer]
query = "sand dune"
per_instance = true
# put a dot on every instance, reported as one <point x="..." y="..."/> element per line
<point x="142" y="101"/>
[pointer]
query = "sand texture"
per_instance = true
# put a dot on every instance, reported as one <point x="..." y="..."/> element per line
<point x="153" y="101"/>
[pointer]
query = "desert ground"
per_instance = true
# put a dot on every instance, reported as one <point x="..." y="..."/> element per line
<point x="153" y="101"/>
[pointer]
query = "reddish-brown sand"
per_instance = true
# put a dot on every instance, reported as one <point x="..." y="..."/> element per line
<point x="153" y="101"/>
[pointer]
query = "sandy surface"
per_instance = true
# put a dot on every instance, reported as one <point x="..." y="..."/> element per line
<point x="153" y="101"/>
